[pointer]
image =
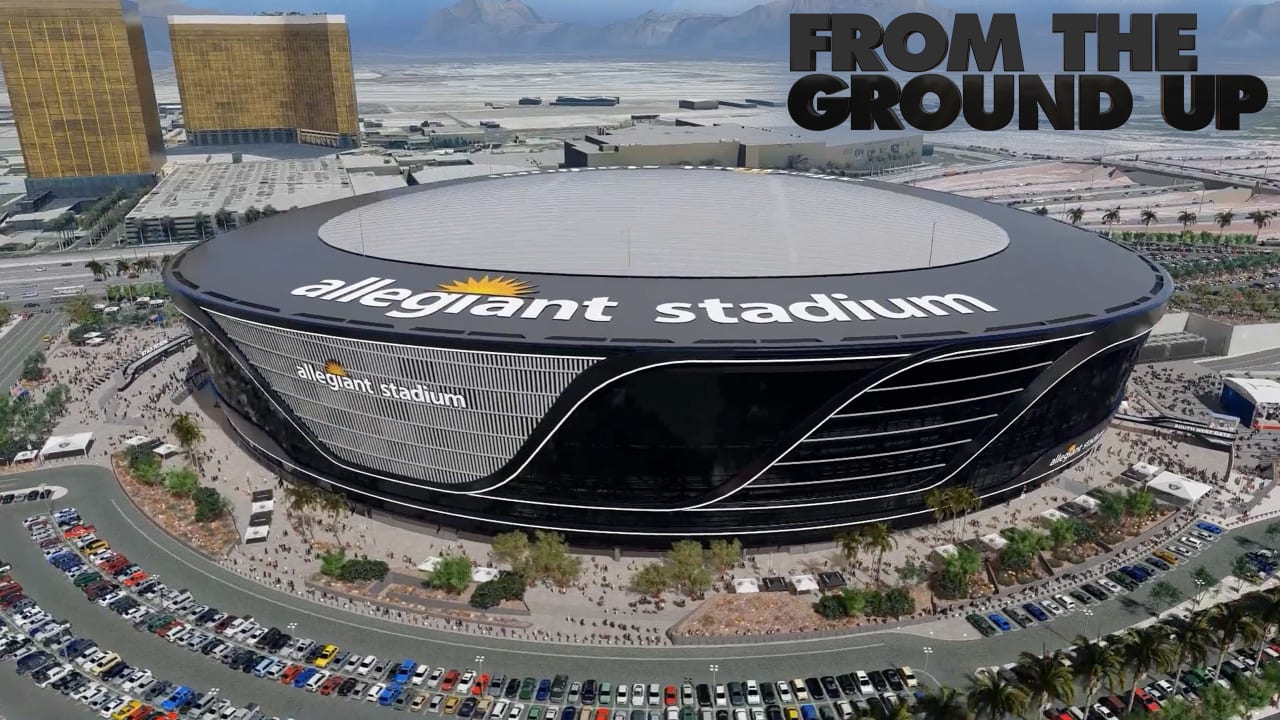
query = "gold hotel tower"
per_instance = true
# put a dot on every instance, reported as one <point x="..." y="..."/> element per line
<point x="80" y="87"/>
<point x="265" y="78"/>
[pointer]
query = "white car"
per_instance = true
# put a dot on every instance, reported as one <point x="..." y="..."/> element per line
<point x="655" y="694"/>
<point x="637" y="694"/>
<point x="722" y="696"/>
<point x="366" y="665"/>
<point x="1052" y="607"/>
<point x="1065" y="602"/>
<point x="1110" y="586"/>
<point x="137" y="679"/>
<point x="865" y="688"/>
<point x="436" y="676"/>
<point x="316" y="681"/>
<point x="110" y="708"/>
<point x="784" y="692"/>
<point x="54" y="675"/>
<point x="516" y="712"/>
<point x="801" y="692"/>
<point x="621" y="696"/>
<point x="374" y="692"/>
<point x="1196" y="543"/>
<point x="353" y="662"/>
<point x="1103" y="712"/>
<point x="753" y="693"/>
<point x="420" y="674"/>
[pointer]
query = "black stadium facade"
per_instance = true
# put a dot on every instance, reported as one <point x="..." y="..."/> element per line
<point x="637" y="355"/>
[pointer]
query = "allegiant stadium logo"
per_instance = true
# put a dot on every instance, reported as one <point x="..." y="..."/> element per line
<point x="1074" y="450"/>
<point x="508" y="297"/>
<point x="333" y="374"/>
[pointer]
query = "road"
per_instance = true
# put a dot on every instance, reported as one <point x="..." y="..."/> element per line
<point x="21" y="341"/>
<point x="79" y="257"/>
<point x="95" y="492"/>
<point x="15" y="281"/>
<point x="1263" y="360"/>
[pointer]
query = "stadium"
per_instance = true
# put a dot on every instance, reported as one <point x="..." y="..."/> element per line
<point x="636" y="355"/>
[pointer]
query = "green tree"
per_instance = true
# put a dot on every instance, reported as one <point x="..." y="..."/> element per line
<point x="1205" y="579"/>
<point x="722" y="555"/>
<point x="451" y="573"/>
<point x="959" y="569"/>
<point x="1223" y="220"/>
<point x="963" y="500"/>
<point x="1111" y="217"/>
<point x="1041" y="210"/>
<point x="1021" y="547"/>
<point x="850" y="543"/>
<point x="1260" y="220"/>
<point x="1218" y="703"/>
<point x="181" y="481"/>
<point x="1273" y="533"/>
<point x="652" y="579"/>
<point x="550" y="559"/>
<point x="1096" y="665"/>
<point x="1111" y="509"/>
<point x="331" y="563"/>
<point x="33" y="366"/>
<point x="202" y="225"/>
<point x="1075" y="215"/>
<point x="1265" y="606"/>
<point x="1192" y="638"/>
<point x="1139" y="502"/>
<point x="224" y="219"/>
<point x="1062" y="534"/>
<point x="209" y="504"/>
<point x="1045" y="679"/>
<point x="98" y="269"/>
<point x="1165" y="595"/>
<point x="939" y="501"/>
<point x="688" y="570"/>
<point x="944" y="703"/>
<point x="1145" y="650"/>
<point x="511" y="548"/>
<point x="879" y="539"/>
<point x="1147" y="217"/>
<point x="252" y="214"/>
<point x="1231" y="623"/>
<point x="80" y="309"/>
<point x="993" y="697"/>
<point x="189" y="435"/>
<point x="1186" y="218"/>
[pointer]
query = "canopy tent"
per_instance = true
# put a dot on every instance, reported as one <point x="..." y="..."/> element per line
<point x="429" y="564"/>
<point x="1144" y="469"/>
<point x="94" y="342"/>
<point x="137" y="440"/>
<point x="945" y="551"/>
<point x="91" y="335"/>
<point x="484" y="574"/>
<point x="166" y="450"/>
<point x="831" y="580"/>
<point x="25" y="456"/>
<point x="744" y="586"/>
<point x="994" y="541"/>
<point x="257" y="533"/>
<point x="775" y="584"/>
<point x="67" y="445"/>
<point x="1086" y="503"/>
<point x="1177" y="487"/>
<point x="263" y="506"/>
<point x="804" y="583"/>
<point x="1053" y="514"/>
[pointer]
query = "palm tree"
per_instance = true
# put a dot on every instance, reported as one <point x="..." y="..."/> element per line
<point x="1260" y="220"/>
<point x="188" y="433"/>
<point x="252" y="215"/>
<point x="1192" y="639"/>
<point x="939" y="501"/>
<point x="1265" y="605"/>
<point x="223" y="219"/>
<point x="168" y="225"/>
<point x="98" y="270"/>
<point x="202" y="225"/>
<point x="1147" y="217"/>
<point x="1094" y="665"/>
<point x="1144" y="650"/>
<point x="1111" y="217"/>
<point x="993" y="696"/>
<point x="1187" y="219"/>
<point x="122" y="267"/>
<point x="1046" y="679"/>
<point x="850" y="542"/>
<point x="1231" y="622"/>
<point x="878" y="538"/>
<point x="945" y="703"/>
<point x="1075" y="215"/>
<point x="964" y="501"/>
<point x="1223" y="220"/>
<point x="269" y="210"/>
<point x="300" y="500"/>
<point x="332" y="504"/>
<point x="1042" y="210"/>
<point x="901" y="711"/>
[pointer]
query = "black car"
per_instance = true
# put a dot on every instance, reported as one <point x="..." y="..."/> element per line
<point x="1157" y="563"/>
<point x="825" y="712"/>
<point x="345" y="688"/>
<point x="513" y="688"/>
<point x="722" y="714"/>
<point x="1081" y="597"/>
<point x="1096" y="592"/>
<point x="772" y="712"/>
<point x="830" y="686"/>
<point x="815" y="688"/>
<point x="316" y="649"/>
<point x="877" y="681"/>
<point x="704" y="695"/>
<point x="251" y="660"/>
<point x="737" y="697"/>
<point x="895" y="681"/>
<point x="768" y="694"/>
<point x="847" y="684"/>
<point x="265" y="641"/>
<point x="160" y="689"/>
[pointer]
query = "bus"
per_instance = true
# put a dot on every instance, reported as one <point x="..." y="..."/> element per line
<point x="69" y="290"/>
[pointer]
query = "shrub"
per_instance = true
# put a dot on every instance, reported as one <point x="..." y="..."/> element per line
<point x="331" y="563"/>
<point x="33" y="366"/>
<point x="181" y="481"/>
<point x="210" y="505"/>
<point x="452" y="573"/>
<point x="359" y="570"/>
<point x="507" y="586"/>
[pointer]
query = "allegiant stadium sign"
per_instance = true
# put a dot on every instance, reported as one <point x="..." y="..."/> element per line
<point x="507" y="297"/>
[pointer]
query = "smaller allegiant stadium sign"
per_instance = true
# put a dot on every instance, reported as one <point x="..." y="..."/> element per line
<point x="507" y="297"/>
<point x="1074" y="450"/>
<point x="336" y="377"/>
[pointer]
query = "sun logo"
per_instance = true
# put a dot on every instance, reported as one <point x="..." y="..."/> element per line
<point x="502" y="286"/>
<point x="1072" y="448"/>
<point x="333" y="367"/>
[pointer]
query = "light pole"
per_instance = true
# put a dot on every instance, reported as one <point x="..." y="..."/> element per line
<point x="1088" y="612"/>
<point x="714" y="669"/>
<point x="1200" y="591"/>
<point x="479" y="664"/>
<point x="927" y="652"/>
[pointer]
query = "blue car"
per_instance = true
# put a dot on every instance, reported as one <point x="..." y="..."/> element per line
<point x="177" y="698"/>
<point x="1134" y="574"/>
<point x="808" y="712"/>
<point x="569" y="713"/>
<point x="388" y="696"/>
<point x="544" y="690"/>
<point x="998" y="620"/>
<point x="1034" y="611"/>
<point x="405" y="673"/>
<point x="1209" y="527"/>
<point x="304" y="676"/>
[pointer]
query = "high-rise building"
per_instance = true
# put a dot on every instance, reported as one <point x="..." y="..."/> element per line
<point x="265" y="78"/>
<point x="80" y="85"/>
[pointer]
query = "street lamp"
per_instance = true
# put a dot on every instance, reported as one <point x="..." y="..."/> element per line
<point x="1088" y="612"/>
<point x="1200" y="591"/>
<point x="714" y="669"/>
<point x="479" y="664"/>
<point x="927" y="652"/>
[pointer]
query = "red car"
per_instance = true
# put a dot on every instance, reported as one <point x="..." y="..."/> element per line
<point x="1146" y="701"/>
<point x="450" y="680"/>
<point x="669" y="696"/>
<point x="76" y="531"/>
<point x="477" y="688"/>
<point x="331" y="684"/>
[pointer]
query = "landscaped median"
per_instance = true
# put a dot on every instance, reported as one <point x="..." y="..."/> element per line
<point x="173" y="499"/>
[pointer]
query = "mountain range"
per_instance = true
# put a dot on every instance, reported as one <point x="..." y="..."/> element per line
<point x="512" y="26"/>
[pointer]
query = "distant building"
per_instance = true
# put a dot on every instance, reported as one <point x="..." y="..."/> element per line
<point x="699" y="104"/>
<point x="265" y="78"/>
<point x="169" y="212"/>
<point x="739" y="146"/>
<point x="593" y="101"/>
<point x="530" y="101"/>
<point x="80" y="86"/>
